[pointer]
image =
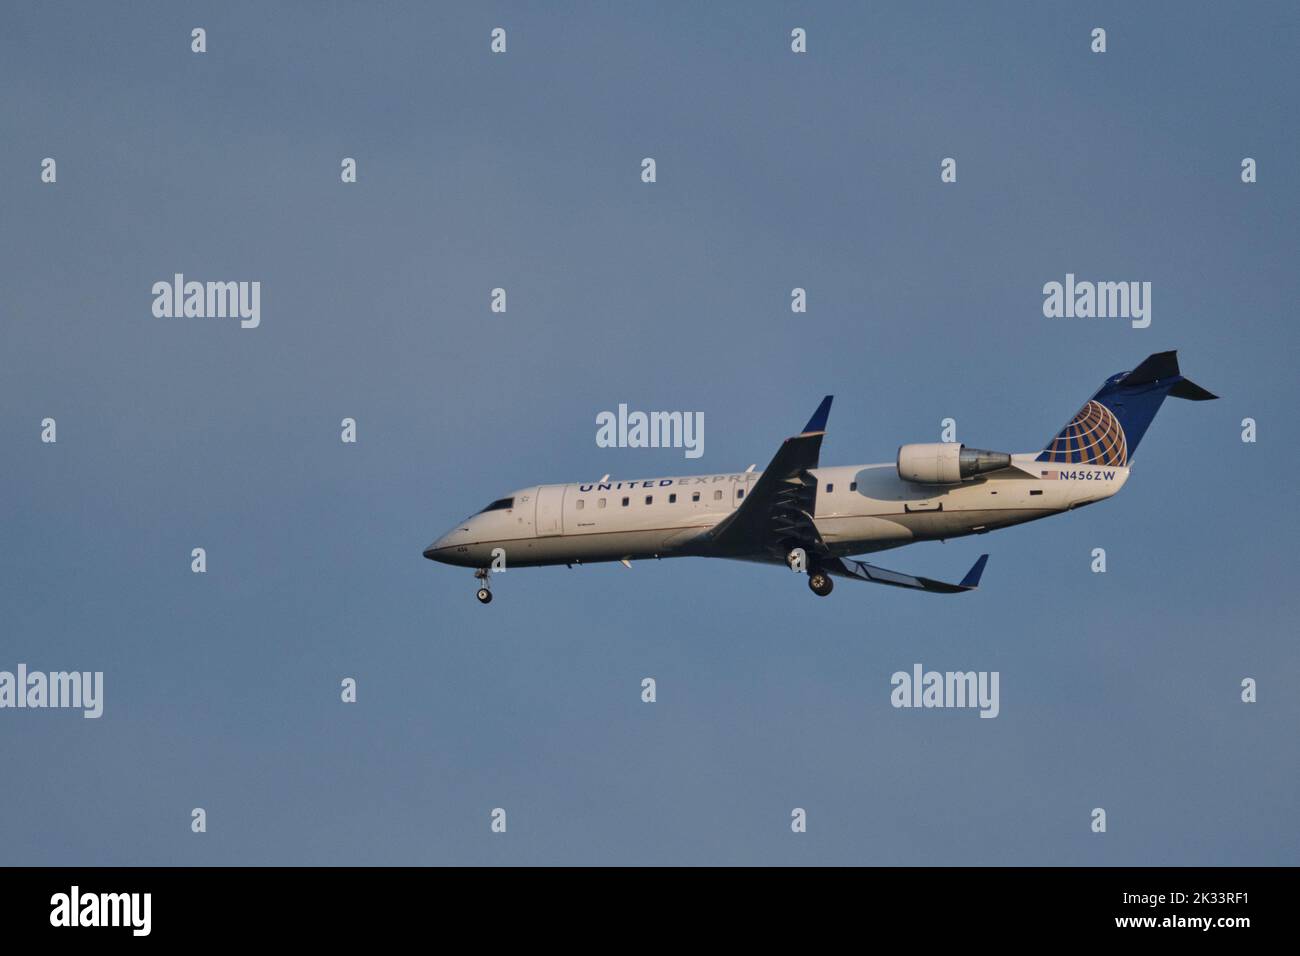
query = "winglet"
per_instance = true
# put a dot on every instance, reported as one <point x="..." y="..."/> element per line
<point x="818" y="422"/>
<point x="972" y="578"/>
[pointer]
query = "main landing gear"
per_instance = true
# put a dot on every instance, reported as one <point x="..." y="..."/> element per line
<point x="820" y="582"/>
<point x="485" y="592"/>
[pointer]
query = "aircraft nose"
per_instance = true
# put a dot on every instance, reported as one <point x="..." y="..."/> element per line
<point x="438" y="551"/>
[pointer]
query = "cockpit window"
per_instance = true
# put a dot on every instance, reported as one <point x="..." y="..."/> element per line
<point x="501" y="504"/>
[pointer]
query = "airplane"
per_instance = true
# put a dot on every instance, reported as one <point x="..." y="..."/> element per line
<point x="813" y="519"/>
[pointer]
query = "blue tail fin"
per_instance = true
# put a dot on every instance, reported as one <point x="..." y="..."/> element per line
<point x="1106" y="431"/>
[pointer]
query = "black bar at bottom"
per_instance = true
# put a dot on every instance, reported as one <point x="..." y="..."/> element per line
<point x="376" y="904"/>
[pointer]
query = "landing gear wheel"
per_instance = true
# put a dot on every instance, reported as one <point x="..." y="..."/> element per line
<point x="485" y="590"/>
<point x="821" y="583"/>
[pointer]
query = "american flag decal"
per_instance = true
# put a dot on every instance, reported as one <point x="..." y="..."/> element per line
<point x="1052" y="475"/>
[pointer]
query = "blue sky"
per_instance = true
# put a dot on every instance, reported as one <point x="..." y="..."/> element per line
<point x="1118" y="690"/>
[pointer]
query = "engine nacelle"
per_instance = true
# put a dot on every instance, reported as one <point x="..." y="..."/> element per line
<point x="947" y="463"/>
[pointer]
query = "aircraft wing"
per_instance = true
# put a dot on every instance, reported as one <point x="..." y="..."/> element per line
<point x="777" y="513"/>
<point x="778" y="509"/>
<point x="861" y="571"/>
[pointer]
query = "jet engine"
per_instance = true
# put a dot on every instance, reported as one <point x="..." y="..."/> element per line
<point x="947" y="463"/>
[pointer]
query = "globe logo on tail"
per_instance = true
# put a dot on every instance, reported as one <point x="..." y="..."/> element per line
<point x="1093" y="437"/>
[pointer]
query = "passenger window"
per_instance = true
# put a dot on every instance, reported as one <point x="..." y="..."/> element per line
<point x="600" y="503"/>
<point x="581" y="504"/>
<point x="695" y="497"/>
<point x="649" y="499"/>
<point x="853" y="486"/>
<point x="672" y="499"/>
<point x="829" y="489"/>
<point x="626" y="501"/>
<point x="717" y="495"/>
<point x="740" y="492"/>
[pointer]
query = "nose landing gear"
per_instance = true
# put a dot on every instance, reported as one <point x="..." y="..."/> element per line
<point x="484" y="594"/>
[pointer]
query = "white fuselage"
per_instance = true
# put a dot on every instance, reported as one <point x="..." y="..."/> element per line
<point x="859" y="509"/>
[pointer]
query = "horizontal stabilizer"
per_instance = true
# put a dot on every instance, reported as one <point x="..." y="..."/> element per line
<point x="1155" y="367"/>
<point x="1163" y="367"/>
<point x="1191" y="391"/>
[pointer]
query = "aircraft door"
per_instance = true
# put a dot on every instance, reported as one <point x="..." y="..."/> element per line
<point x="550" y="510"/>
<point x="739" y="490"/>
